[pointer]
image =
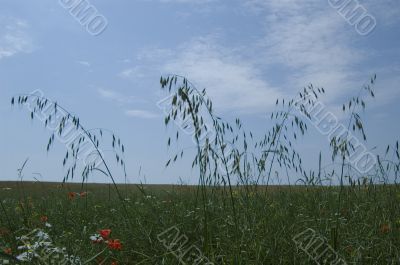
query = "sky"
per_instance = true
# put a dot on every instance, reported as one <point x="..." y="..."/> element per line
<point x="246" y="53"/>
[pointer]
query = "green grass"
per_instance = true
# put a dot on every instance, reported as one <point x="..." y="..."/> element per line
<point x="224" y="224"/>
<point x="369" y="218"/>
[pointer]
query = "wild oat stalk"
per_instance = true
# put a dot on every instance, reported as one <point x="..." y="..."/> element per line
<point x="82" y="144"/>
<point x="225" y="154"/>
<point x="189" y="108"/>
<point x="342" y="145"/>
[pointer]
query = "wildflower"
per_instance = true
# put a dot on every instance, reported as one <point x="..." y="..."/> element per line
<point x="385" y="228"/>
<point x="96" y="239"/>
<point x="8" y="251"/>
<point x="83" y="194"/>
<point x="44" y="219"/>
<point x="71" y="195"/>
<point x="105" y="233"/>
<point x="114" y="263"/>
<point x="114" y="244"/>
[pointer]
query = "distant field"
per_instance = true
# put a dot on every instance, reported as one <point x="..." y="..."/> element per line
<point x="272" y="226"/>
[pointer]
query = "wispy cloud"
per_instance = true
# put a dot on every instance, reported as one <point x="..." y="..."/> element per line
<point x="301" y="43"/>
<point x="84" y="63"/>
<point x="132" y="73"/>
<point x="143" y="114"/>
<point x="315" y="45"/>
<point x="14" y="38"/>
<point x="116" y="96"/>
<point x="233" y="82"/>
<point x="313" y="42"/>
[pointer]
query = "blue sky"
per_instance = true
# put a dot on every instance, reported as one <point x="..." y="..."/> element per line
<point x="246" y="53"/>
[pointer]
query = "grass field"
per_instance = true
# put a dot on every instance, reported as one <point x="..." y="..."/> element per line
<point x="268" y="224"/>
<point x="227" y="219"/>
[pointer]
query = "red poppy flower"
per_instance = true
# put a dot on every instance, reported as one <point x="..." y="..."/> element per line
<point x="8" y="251"/>
<point x="71" y="195"/>
<point x="44" y="218"/>
<point x="105" y="233"/>
<point x="385" y="228"/>
<point x="114" y="244"/>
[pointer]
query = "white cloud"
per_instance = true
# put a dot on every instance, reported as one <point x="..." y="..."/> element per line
<point x="232" y="82"/>
<point x="14" y="38"/>
<point x="311" y="40"/>
<point x="143" y="114"/>
<point x="84" y="63"/>
<point x="133" y="73"/>
<point x="303" y="42"/>
<point x="116" y="96"/>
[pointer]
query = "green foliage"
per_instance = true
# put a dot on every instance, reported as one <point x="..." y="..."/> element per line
<point x="83" y="145"/>
<point x="234" y="216"/>
<point x="268" y="221"/>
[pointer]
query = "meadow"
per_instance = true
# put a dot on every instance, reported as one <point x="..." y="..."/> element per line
<point x="347" y="215"/>
<point x="368" y="231"/>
